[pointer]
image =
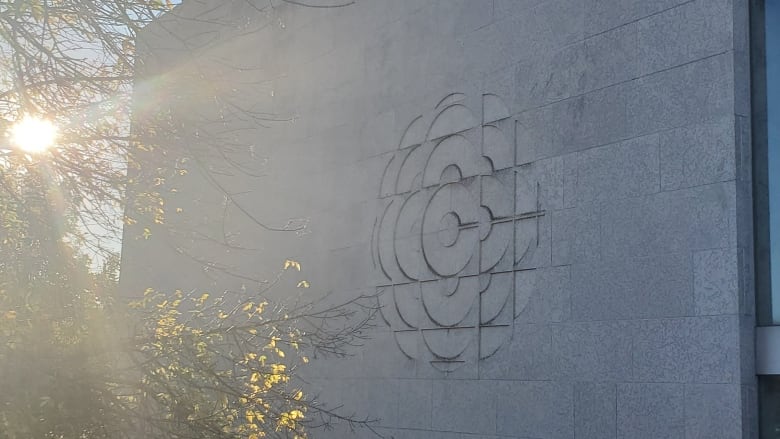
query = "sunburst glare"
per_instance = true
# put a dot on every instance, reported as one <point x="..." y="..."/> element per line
<point x="33" y="135"/>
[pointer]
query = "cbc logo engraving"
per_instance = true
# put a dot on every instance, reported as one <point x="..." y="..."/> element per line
<point x="452" y="232"/>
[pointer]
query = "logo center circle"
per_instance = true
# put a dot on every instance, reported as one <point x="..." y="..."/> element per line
<point x="449" y="229"/>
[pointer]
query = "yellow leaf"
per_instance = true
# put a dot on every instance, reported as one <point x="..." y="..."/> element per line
<point x="248" y="306"/>
<point x="303" y="284"/>
<point x="147" y="233"/>
<point x="289" y="263"/>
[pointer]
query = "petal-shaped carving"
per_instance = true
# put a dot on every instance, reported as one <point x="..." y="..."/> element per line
<point x="453" y="119"/>
<point x="451" y="309"/>
<point x="497" y="299"/>
<point x="458" y="151"/>
<point x="491" y="338"/>
<point x="495" y="246"/>
<point x="525" y="285"/>
<point x="448" y="343"/>
<point x="387" y="307"/>
<point x="408" y="236"/>
<point x="408" y="342"/>
<point x="529" y="252"/>
<point x="408" y="303"/>
<point x="386" y="242"/>
<point x="493" y="108"/>
<point x="497" y="196"/>
<point x="497" y="147"/>
<point x="450" y="99"/>
<point x="414" y="133"/>
<point x="390" y="174"/>
<point x="412" y="169"/>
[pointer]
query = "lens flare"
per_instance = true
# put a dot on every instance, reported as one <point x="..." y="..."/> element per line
<point x="33" y="135"/>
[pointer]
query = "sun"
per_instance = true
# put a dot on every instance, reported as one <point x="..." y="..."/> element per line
<point x="33" y="135"/>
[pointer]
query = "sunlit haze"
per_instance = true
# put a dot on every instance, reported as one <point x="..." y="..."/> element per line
<point x="33" y="135"/>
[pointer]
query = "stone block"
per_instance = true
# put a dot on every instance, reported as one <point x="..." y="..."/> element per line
<point x="382" y="358"/>
<point x="698" y="154"/>
<point x="715" y="282"/>
<point x="470" y="16"/>
<point x="546" y="28"/>
<point x="540" y="186"/>
<point x="646" y="287"/>
<point x="576" y="235"/>
<point x="550" y="77"/>
<point x="535" y="409"/>
<point x="650" y="411"/>
<point x="542" y="295"/>
<point x="692" y="350"/>
<point x="602" y="15"/>
<point x="592" y="351"/>
<point x="692" y="93"/>
<point x="597" y="118"/>
<point x="670" y="222"/>
<point x="610" y="57"/>
<point x="379" y="399"/>
<point x="621" y="170"/>
<point x="528" y="356"/>
<point x="506" y="8"/>
<point x="454" y="402"/>
<point x="414" y="404"/>
<point x="532" y="138"/>
<point x="692" y="31"/>
<point x="595" y="410"/>
<point x="713" y="411"/>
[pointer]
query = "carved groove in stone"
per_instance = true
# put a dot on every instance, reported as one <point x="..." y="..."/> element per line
<point x="452" y="234"/>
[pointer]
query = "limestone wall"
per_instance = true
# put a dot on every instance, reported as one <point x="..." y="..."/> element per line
<point x="550" y="197"/>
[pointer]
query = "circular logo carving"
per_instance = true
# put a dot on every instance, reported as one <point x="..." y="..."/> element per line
<point x="447" y="239"/>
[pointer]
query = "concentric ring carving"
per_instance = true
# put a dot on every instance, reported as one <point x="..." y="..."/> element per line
<point x="450" y="234"/>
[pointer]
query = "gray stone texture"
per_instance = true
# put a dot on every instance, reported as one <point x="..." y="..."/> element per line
<point x="595" y="410"/>
<point x="631" y="288"/>
<point x="692" y="350"/>
<point x="650" y="411"/>
<point x="715" y="282"/>
<point x="712" y="411"/>
<point x="535" y="409"/>
<point x="697" y="155"/>
<point x="607" y="290"/>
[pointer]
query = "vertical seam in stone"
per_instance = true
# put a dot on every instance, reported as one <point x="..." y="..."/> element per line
<point x="616" y="393"/>
<point x="660" y="172"/>
<point x="684" y="418"/>
<point x="514" y="229"/>
<point x="574" y="408"/>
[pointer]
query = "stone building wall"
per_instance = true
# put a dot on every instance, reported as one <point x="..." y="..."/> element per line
<point x="550" y="197"/>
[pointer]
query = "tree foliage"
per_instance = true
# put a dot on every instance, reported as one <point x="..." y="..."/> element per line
<point x="78" y="362"/>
